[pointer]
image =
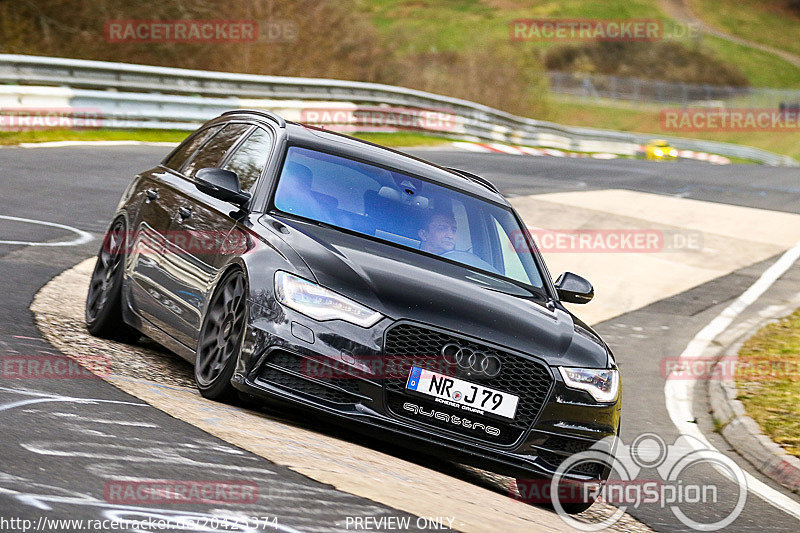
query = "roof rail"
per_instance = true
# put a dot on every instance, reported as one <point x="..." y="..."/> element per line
<point x="268" y="114"/>
<point x="477" y="179"/>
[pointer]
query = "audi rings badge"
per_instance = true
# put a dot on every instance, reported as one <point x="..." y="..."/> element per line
<point x="473" y="361"/>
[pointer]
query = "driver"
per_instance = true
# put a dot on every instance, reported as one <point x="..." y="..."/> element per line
<point x="438" y="234"/>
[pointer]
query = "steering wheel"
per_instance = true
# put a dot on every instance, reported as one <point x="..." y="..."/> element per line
<point x="468" y="258"/>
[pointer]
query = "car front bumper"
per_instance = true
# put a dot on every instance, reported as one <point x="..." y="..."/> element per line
<point x="332" y="371"/>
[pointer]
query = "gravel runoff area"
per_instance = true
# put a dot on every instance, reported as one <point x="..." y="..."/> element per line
<point x="166" y="381"/>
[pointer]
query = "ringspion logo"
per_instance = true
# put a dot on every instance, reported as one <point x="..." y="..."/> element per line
<point x="668" y="485"/>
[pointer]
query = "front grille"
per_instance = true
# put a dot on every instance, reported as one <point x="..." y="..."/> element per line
<point x="418" y="346"/>
<point x="285" y="370"/>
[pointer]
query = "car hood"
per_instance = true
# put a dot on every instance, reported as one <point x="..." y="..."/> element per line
<point x="403" y="284"/>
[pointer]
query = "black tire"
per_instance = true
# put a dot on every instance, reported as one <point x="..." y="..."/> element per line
<point x="221" y="339"/>
<point x="103" y="312"/>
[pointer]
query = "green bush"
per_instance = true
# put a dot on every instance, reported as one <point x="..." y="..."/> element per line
<point x="335" y="39"/>
<point x="495" y="76"/>
<point x="661" y="60"/>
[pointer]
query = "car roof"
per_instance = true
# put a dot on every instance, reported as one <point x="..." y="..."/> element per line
<point x="350" y="147"/>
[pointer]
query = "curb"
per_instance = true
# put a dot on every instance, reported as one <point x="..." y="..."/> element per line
<point x="739" y="430"/>
<point x="496" y="147"/>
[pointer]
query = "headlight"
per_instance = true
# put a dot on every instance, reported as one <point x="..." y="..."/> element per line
<point x="602" y="384"/>
<point x="673" y="153"/>
<point x="320" y="303"/>
<point x="658" y="152"/>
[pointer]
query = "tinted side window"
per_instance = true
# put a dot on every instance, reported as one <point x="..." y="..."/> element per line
<point x="214" y="150"/>
<point x="249" y="159"/>
<point x="188" y="147"/>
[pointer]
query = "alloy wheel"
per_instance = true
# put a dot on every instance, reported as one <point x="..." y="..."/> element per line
<point x="104" y="279"/>
<point x="222" y="330"/>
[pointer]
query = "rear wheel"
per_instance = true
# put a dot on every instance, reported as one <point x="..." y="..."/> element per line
<point x="221" y="339"/>
<point x="104" y="301"/>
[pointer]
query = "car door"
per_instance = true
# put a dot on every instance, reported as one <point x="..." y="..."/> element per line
<point x="150" y="231"/>
<point x="202" y="224"/>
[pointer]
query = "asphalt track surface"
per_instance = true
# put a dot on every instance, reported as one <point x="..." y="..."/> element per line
<point x="56" y="433"/>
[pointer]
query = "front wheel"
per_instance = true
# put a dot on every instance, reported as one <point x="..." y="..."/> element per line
<point x="103" y="312"/>
<point x="221" y="339"/>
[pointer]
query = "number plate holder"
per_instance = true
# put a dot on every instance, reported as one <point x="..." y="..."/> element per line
<point x="461" y="394"/>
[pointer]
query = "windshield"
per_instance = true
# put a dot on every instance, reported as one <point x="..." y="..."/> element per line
<point x="406" y="211"/>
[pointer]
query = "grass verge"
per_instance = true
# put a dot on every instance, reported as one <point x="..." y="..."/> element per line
<point x="401" y="139"/>
<point x="768" y="381"/>
<point x="769" y="22"/>
<point x="416" y="26"/>
<point x="38" y="136"/>
<point x="761" y="68"/>
<point x="570" y="114"/>
<point x="647" y="121"/>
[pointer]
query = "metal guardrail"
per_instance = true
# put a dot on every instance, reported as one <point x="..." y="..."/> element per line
<point x="131" y="95"/>
<point x="600" y="88"/>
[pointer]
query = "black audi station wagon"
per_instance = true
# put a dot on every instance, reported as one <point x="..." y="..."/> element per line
<point x="290" y="262"/>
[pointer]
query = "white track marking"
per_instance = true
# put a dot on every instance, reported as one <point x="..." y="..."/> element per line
<point x="62" y="144"/>
<point x="63" y="399"/>
<point x="470" y="147"/>
<point x="82" y="238"/>
<point x="679" y="393"/>
<point x="40" y="397"/>
<point x="506" y="148"/>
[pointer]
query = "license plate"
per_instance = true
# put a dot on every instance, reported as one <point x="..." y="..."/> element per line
<point x="461" y="394"/>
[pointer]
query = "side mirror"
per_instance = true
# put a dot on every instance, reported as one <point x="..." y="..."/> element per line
<point x="221" y="184"/>
<point x="574" y="289"/>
